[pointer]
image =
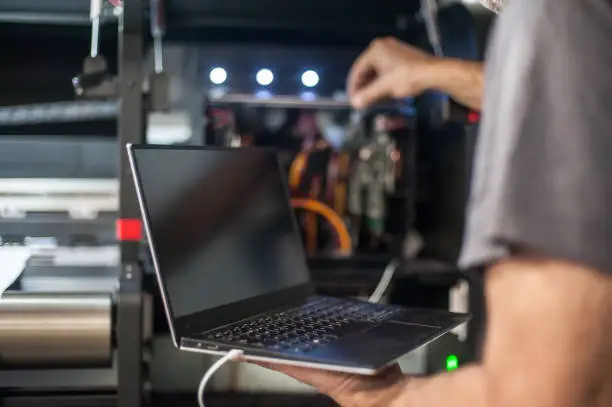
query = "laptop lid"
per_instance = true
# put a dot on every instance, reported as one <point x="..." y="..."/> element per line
<point x="222" y="233"/>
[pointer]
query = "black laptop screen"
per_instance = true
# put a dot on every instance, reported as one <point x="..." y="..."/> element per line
<point x="221" y="225"/>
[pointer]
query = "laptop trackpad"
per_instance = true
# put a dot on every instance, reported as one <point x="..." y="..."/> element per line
<point x="407" y="334"/>
<point x="429" y="317"/>
<point x="380" y="344"/>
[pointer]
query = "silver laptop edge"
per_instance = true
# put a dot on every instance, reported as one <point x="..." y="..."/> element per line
<point x="143" y="214"/>
<point x="310" y="365"/>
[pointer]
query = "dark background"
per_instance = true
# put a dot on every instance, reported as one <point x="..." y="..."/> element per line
<point x="44" y="43"/>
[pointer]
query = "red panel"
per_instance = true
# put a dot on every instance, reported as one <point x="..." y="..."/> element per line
<point x="129" y="230"/>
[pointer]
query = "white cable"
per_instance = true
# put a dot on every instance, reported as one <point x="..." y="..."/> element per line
<point x="158" y="54"/>
<point x="429" y="11"/>
<point x="95" y="11"/>
<point x="233" y="354"/>
<point x="385" y="281"/>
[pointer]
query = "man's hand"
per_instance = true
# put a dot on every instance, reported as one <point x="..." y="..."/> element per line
<point x="388" y="68"/>
<point x="349" y="390"/>
<point x="391" y="69"/>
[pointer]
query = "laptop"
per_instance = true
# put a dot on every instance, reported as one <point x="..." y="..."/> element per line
<point x="229" y="260"/>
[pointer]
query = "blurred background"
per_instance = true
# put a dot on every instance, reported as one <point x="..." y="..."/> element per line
<point x="380" y="207"/>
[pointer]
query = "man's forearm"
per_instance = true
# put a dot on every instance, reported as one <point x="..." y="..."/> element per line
<point x="462" y="80"/>
<point x="462" y="388"/>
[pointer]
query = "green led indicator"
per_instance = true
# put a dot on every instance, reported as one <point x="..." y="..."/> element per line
<point x="452" y="362"/>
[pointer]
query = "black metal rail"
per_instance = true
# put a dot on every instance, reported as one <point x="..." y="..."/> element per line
<point x="131" y="129"/>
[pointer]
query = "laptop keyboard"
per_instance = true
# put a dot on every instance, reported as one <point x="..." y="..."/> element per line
<point x="305" y="328"/>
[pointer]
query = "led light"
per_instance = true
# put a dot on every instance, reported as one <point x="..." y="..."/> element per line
<point x="452" y="362"/>
<point x="310" y="79"/>
<point x="264" y="77"/>
<point x="218" y="76"/>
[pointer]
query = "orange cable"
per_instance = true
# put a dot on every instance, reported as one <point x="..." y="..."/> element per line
<point x="297" y="170"/>
<point x="332" y="218"/>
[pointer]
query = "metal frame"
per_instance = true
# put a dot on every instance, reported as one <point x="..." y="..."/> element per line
<point x="131" y="127"/>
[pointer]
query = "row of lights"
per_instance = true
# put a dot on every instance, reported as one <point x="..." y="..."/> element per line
<point x="264" y="77"/>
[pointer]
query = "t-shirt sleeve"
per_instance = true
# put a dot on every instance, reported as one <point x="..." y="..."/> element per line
<point x="542" y="175"/>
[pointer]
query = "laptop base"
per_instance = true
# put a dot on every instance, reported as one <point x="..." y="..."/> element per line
<point x="366" y="349"/>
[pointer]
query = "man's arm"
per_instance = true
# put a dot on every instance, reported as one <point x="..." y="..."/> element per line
<point x="389" y="68"/>
<point x="462" y="80"/>
<point x="549" y="334"/>
<point x="548" y="341"/>
<point x="464" y="387"/>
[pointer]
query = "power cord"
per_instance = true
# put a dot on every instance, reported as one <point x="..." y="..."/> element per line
<point x="385" y="281"/>
<point x="231" y="355"/>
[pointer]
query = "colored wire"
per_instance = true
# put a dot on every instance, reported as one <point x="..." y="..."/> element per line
<point x="300" y="163"/>
<point x="331" y="217"/>
<point x="306" y="125"/>
<point x="296" y="171"/>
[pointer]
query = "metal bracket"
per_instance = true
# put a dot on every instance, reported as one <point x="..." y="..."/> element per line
<point x="130" y="336"/>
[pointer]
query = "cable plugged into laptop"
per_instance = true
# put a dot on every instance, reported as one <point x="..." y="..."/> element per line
<point x="231" y="355"/>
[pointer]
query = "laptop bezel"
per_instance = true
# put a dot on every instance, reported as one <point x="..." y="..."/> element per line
<point x="201" y="321"/>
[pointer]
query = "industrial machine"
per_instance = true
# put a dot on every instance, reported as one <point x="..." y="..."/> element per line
<point x="380" y="191"/>
<point x="59" y="201"/>
<point x="352" y="199"/>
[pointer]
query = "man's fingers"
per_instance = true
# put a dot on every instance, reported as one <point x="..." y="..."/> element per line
<point x="363" y="69"/>
<point x="377" y="90"/>
<point x="320" y="379"/>
<point x="279" y="367"/>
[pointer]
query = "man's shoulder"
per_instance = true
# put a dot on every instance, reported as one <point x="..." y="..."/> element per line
<point x="574" y="15"/>
<point x="541" y="175"/>
<point x="555" y="11"/>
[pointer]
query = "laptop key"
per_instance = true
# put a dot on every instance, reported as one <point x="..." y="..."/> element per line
<point x="331" y="337"/>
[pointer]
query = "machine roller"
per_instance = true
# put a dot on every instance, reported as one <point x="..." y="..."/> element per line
<point x="43" y="330"/>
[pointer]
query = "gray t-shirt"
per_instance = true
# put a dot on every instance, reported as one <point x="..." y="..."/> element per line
<point x="543" y="167"/>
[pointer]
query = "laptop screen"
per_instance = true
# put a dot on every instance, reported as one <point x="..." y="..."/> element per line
<point x="220" y="223"/>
